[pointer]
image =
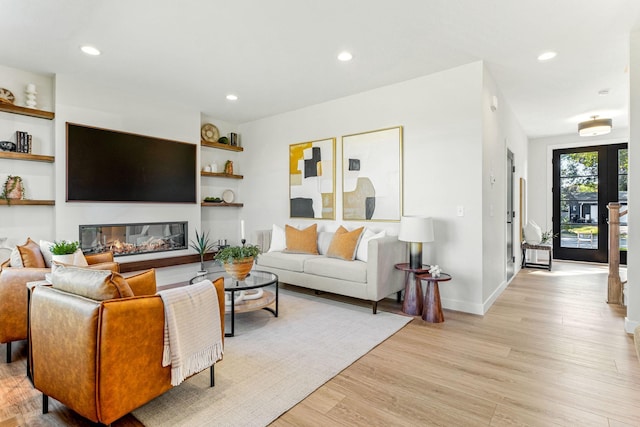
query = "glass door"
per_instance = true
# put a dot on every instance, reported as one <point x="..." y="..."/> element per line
<point x="585" y="180"/>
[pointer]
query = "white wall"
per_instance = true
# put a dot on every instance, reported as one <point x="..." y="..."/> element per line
<point x="91" y="104"/>
<point x="501" y="131"/>
<point x="443" y="148"/>
<point x="633" y="256"/>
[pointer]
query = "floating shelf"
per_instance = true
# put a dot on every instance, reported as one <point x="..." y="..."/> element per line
<point x="221" y="146"/>
<point x="10" y="108"/>
<point x="221" y="175"/>
<point x="222" y="205"/>
<point x="15" y="202"/>
<point x="26" y="156"/>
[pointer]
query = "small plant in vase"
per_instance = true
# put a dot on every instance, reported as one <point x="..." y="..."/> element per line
<point x="13" y="189"/>
<point x="238" y="260"/>
<point x="64" y="251"/>
<point x="202" y="245"/>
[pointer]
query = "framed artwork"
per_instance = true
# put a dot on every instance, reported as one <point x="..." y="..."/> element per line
<point x="312" y="177"/>
<point x="372" y="175"/>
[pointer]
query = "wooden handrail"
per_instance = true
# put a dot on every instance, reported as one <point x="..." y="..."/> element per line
<point x="614" y="284"/>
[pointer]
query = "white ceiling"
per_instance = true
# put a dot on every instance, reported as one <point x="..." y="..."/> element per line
<point x="280" y="55"/>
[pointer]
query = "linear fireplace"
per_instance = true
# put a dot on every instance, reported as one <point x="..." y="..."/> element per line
<point x="134" y="239"/>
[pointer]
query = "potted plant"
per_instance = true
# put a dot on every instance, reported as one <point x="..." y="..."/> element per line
<point x="13" y="188"/>
<point x="202" y="245"/>
<point x="63" y="251"/>
<point x="238" y="260"/>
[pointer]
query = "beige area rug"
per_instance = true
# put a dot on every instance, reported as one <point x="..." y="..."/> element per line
<point x="273" y="363"/>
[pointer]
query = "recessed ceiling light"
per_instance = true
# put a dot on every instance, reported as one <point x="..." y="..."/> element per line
<point x="232" y="97"/>
<point x="547" y="56"/>
<point x="90" y="50"/>
<point x="345" y="56"/>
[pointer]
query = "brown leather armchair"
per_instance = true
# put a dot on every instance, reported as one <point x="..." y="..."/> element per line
<point x="13" y="295"/>
<point x="112" y="348"/>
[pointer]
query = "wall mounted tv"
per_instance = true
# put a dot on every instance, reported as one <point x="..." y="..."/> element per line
<point x="110" y="166"/>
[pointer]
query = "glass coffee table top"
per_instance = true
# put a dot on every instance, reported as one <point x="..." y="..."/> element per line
<point x="245" y="295"/>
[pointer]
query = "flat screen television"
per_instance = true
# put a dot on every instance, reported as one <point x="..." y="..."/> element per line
<point x="110" y="166"/>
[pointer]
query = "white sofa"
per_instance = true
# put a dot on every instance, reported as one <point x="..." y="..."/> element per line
<point x="373" y="280"/>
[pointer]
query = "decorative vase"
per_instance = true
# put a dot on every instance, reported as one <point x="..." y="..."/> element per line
<point x="239" y="269"/>
<point x="63" y="259"/>
<point x="13" y="188"/>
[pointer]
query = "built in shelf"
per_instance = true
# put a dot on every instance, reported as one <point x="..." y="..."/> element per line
<point x="15" y="202"/>
<point x="26" y="156"/>
<point x="222" y="205"/>
<point x="128" y="267"/>
<point x="221" y="146"/>
<point x="15" y="109"/>
<point x="221" y="175"/>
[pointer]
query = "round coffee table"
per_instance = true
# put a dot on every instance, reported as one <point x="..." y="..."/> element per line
<point x="255" y="280"/>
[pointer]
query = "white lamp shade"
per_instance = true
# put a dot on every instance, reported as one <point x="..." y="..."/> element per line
<point x="595" y="127"/>
<point x="416" y="229"/>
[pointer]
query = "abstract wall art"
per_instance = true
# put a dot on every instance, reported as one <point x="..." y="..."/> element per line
<point x="372" y="175"/>
<point x="312" y="179"/>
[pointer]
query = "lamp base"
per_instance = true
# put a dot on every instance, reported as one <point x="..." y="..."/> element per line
<point x="415" y="255"/>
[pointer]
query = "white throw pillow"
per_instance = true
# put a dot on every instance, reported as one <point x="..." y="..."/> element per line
<point x="532" y="233"/>
<point x="362" y="253"/>
<point x="45" y="248"/>
<point x="324" y="240"/>
<point x="16" y="259"/>
<point x="278" y="239"/>
<point x="78" y="259"/>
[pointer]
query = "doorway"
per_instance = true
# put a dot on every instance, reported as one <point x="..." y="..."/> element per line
<point x="585" y="180"/>
<point x="511" y="258"/>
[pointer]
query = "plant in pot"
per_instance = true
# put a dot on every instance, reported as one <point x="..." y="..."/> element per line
<point x="238" y="260"/>
<point x="202" y="245"/>
<point x="64" y="251"/>
<point x="13" y="189"/>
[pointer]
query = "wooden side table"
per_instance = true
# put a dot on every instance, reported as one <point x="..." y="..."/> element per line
<point x="413" y="300"/>
<point x="432" y="307"/>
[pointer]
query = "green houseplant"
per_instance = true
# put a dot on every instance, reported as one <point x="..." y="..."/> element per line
<point x="238" y="260"/>
<point x="202" y="245"/>
<point x="63" y="251"/>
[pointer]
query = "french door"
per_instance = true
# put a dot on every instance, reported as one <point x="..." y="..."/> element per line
<point x="585" y="180"/>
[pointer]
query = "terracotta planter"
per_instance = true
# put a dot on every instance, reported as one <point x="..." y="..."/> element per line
<point x="13" y="189"/>
<point x="239" y="269"/>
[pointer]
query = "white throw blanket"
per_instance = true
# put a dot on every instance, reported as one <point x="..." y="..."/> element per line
<point x="192" y="335"/>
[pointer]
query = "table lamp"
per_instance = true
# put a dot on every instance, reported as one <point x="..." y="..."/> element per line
<point x="415" y="230"/>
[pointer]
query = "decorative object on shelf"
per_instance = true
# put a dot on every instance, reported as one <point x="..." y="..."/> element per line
<point x="238" y="260"/>
<point x="13" y="189"/>
<point x="202" y="245"/>
<point x="223" y="140"/>
<point x="415" y="230"/>
<point x="209" y="133"/>
<point x="228" y="196"/>
<point x="6" y="97"/>
<point x="233" y="139"/>
<point x="213" y="200"/>
<point x="312" y="177"/>
<point x="64" y="251"/>
<point x="7" y="146"/>
<point x="435" y="271"/>
<point x="30" y="92"/>
<point x="228" y="167"/>
<point x="372" y="175"/>
<point x="207" y="168"/>
<point x="214" y="167"/>
<point x="23" y="142"/>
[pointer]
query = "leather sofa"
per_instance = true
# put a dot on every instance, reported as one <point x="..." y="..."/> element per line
<point x="13" y="295"/>
<point x="112" y="348"/>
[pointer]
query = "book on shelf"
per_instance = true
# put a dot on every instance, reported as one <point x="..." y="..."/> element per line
<point x="23" y="142"/>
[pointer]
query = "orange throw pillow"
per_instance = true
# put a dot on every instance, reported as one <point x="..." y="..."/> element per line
<point x="345" y="243"/>
<point x="31" y="255"/>
<point x="302" y="241"/>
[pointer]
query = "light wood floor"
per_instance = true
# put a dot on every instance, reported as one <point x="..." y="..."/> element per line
<point x="549" y="352"/>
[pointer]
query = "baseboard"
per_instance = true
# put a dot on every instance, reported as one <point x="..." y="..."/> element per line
<point x="464" y="306"/>
<point x="630" y="325"/>
<point x="494" y="296"/>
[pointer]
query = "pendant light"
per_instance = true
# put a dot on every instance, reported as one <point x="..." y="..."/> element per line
<point x="595" y="127"/>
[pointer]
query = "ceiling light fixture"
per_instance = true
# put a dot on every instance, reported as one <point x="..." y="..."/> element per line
<point x="90" y="50"/>
<point x="232" y="97"/>
<point x="547" y="56"/>
<point x="595" y="127"/>
<point x="345" y="56"/>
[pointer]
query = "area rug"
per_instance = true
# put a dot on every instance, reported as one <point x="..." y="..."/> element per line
<point x="273" y="363"/>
